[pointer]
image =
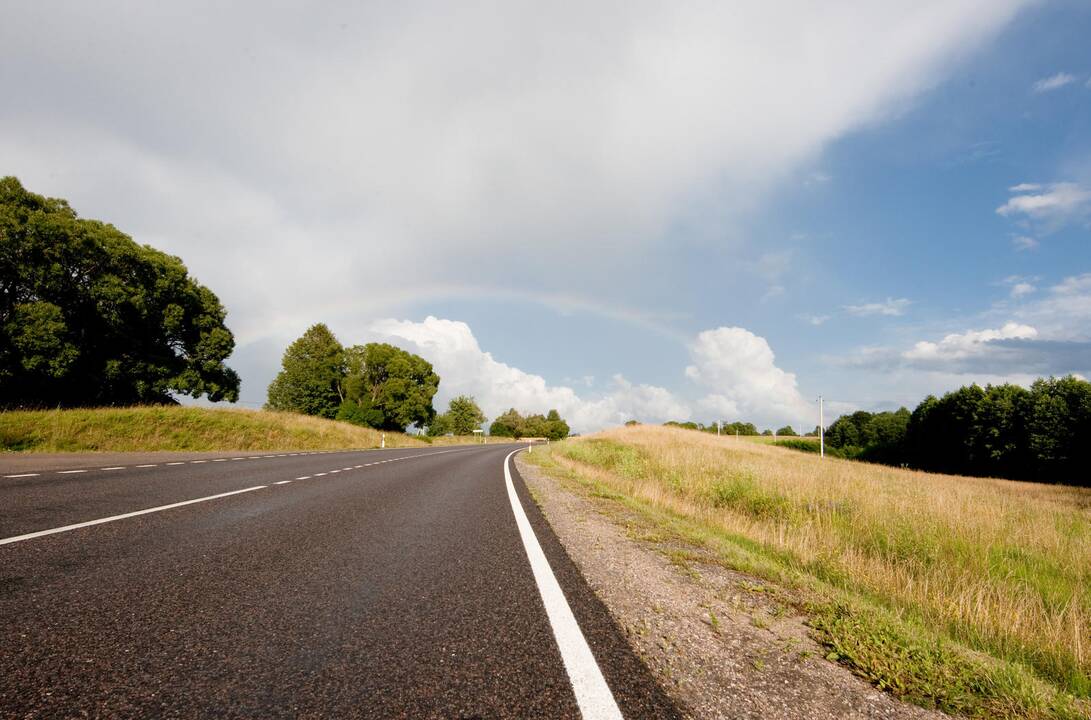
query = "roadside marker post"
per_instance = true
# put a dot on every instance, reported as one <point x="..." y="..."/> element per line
<point x="821" y="430"/>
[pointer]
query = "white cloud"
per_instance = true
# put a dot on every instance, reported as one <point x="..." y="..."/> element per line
<point x="1021" y="285"/>
<point x="1054" y="203"/>
<point x="960" y="346"/>
<point x="317" y="148"/>
<point x="1024" y="242"/>
<point x="890" y="307"/>
<point x="1054" y="82"/>
<point x="1025" y="187"/>
<point x="734" y="372"/>
<point x="738" y="370"/>
<point x="1063" y="311"/>
<point x="1018" y="290"/>
<point x="464" y="368"/>
<point x="814" y="319"/>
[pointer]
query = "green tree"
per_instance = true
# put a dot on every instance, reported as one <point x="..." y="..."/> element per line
<point x="310" y="381"/>
<point x="464" y="415"/>
<point x="509" y="424"/>
<point x="440" y="425"/>
<point x="787" y="431"/>
<point x="396" y="385"/>
<point x="89" y="317"/>
<point x="555" y="426"/>
<point x="1058" y="429"/>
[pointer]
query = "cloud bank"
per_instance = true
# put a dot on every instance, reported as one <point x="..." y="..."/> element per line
<point x="296" y="156"/>
<point x="734" y="376"/>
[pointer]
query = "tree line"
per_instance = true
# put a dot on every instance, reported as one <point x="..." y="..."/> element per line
<point x="375" y="385"/>
<point x="731" y="428"/>
<point x="1041" y="433"/>
<point x="387" y="388"/>
<point x="514" y="425"/>
<point x="88" y="317"/>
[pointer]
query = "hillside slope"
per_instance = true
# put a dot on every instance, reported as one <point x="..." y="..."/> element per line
<point x="172" y="428"/>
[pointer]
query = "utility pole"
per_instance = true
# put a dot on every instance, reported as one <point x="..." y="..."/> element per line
<point x="821" y="429"/>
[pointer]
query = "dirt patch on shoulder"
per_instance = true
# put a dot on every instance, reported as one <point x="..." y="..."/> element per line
<point x="723" y="644"/>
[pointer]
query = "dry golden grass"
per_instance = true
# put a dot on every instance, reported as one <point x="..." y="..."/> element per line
<point x="182" y="428"/>
<point x="1001" y="567"/>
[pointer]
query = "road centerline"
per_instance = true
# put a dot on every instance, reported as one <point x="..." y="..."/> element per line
<point x="114" y="518"/>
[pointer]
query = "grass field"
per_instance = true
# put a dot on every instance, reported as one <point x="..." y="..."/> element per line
<point x="966" y="594"/>
<point x="181" y="428"/>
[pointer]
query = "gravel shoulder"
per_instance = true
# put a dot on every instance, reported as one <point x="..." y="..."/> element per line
<point x="722" y="644"/>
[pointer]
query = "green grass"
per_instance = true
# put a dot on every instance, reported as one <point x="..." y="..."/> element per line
<point x="949" y="607"/>
<point x="173" y="428"/>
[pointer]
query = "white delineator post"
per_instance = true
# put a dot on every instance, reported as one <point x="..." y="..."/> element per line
<point x="382" y="441"/>
<point x="821" y="429"/>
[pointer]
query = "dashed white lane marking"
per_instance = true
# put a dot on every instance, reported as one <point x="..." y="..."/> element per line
<point x="146" y="466"/>
<point x="22" y="475"/>
<point x="220" y="460"/>
<point x="176" y="463"/>
<point x="239" y="458"/>
<point x="112" y="518"/>
<point x="592" y="693"/>
<point x="319" y="474"/>
<point x="197" y="462"/>
<point x="254" y="457"/>
<point x="116" y="467"/>
<point x="282" y="482"/>
<point x="304" y="477"/>
<point x="334" y="472"/>
<point x="70" y="472"/>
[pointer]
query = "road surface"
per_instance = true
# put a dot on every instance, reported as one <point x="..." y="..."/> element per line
<point x="393" y="583"/>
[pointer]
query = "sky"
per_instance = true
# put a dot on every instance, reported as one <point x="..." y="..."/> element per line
<point x="622" y="210"/>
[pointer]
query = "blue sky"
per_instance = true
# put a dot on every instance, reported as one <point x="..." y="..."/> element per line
<point x="655" y="212"/>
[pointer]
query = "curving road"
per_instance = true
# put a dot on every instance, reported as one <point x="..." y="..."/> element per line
<point x="394" y="583"/>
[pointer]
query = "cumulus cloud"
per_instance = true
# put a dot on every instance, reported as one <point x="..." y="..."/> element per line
<point x="960" y="346"/>
<point x="738" y="371"/>
<point x="1054" y="82"/>
<point x="890" y="307"/>
<point x="733" y="370"/>
<point x="320" y="147"/>
<point x="466" y="369"/>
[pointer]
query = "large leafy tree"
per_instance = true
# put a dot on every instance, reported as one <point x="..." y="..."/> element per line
<point x="312" y="375"/>
<point x="464" y="415"/>
<point x="391" y="387"/>
<point x="89" y="317"/>
<point x="509" y="424"/>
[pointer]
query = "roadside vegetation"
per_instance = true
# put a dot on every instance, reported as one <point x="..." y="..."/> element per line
<point x="965" y="594"/>
<point x="174" y="428"/>
<point x="512" y="424"/>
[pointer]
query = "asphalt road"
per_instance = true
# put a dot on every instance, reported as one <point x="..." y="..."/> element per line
<point x="379" y="584"/>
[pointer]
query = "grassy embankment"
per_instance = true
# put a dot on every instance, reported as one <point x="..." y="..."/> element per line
<point x="966" y="594"/>
<point x="181" y="428"/>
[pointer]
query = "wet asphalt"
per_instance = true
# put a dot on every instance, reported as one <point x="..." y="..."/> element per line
<point x="396" y="589"/>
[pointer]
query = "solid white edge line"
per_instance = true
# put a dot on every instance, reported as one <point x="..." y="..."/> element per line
<point x="592" y="693"/>
<point x="70" y="472"/>
<point x="112" y="518"/>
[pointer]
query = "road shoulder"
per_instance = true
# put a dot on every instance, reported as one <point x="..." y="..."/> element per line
<point x="721" y="643"/>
